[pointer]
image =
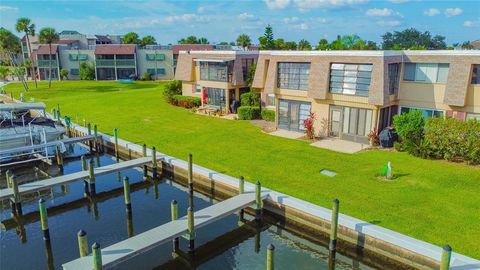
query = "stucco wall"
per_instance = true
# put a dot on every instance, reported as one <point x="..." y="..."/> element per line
<point x="67" y="64"/>
<point x="144" y="64"/>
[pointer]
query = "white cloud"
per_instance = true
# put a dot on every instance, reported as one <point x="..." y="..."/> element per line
<point x="186" y="18"/>
<point x="246" y="17"/>
<point x="389" y="23"/>
<point x="8" y="8"/>
<point x="475" y="23"/>
<point x="450" y="12"/>
<point x="201" y="9"/>
<point x="301" y="26"/>
<point x="379" y="12"/>
<point x="398" y="1"/>
<point x="291" y="19"/>
<point x="310" y="4"/>
<point x="431" y="12"/>
<point x="277" y="4"/>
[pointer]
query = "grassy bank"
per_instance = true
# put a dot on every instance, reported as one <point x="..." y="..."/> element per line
<point x="434" y="201"/>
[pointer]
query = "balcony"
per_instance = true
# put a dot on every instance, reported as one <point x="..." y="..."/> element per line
<point x="46" y="63"/>
<point x="119" y="62"/>
<point x="125" y="62"/>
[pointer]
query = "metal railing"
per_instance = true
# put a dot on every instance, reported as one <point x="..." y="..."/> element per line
<point x="105" y="62"/>
<point x="111" y="62"/>
<point x="125" y="62"/>
<point x="46" y="63"/>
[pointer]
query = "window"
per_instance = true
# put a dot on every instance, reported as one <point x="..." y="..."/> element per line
<point x="352" y="79"/>
<point x="270" y="100"/>
<point x="197" y="88"/>
<point x="476" y="74"/>
<point x="151" y="71"/>
<point x="393" y="78"/>
<point x="216" y="71"/>
<point x="78" y="56"/>
<point x="158" y="71"/>
<point x="215" y="96"/>
<point x="426" y="113"/>
<point x="74" y="71"/>
<point x="293" y="75"/>
<point x="157" y="57"/>
<point x="473" y="116"/>
<point x="246" y="63"/>
<point x="426" y="72"/>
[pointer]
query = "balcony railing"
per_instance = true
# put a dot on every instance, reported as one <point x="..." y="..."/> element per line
<point x="111" y="62"/>
<point x="46" y="63"/>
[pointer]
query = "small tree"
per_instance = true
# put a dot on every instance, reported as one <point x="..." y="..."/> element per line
<point x="244" y="41"/>
<point x="131" y="38"/>
<point x="308" y="124"/>
<point x="147" y="40"/>
<point x="409" y="127"/>
<point x="266" y="41"/>
<point x="87" y="72"/>
<point x="171" y="89"/>
<point x="304" y="45"/>
<point x="63" y="74"/>
<point x="4" y="72"/>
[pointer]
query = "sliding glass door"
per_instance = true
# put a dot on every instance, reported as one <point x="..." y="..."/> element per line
<point x="350" y="123"/>
<point x="291" y="114"/>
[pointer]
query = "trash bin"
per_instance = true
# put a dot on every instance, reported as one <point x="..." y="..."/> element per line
<point x="387" y="137"/>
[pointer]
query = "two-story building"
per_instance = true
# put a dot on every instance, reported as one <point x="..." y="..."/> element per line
<point x="355" y="92"/>
<point x="115" y="61"/>
<point x="217" y="77"/>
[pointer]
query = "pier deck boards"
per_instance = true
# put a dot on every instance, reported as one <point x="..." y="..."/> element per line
<point x="48" y="144"/>
<point x="121" y="251"/>
<point x="65" y="179"/>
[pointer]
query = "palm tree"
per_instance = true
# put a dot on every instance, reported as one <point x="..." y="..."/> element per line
<point x="23" y="25"/>
<point x="48" y="36"/>
<point x="10" y="46"/>
<point x="244" y="41"/>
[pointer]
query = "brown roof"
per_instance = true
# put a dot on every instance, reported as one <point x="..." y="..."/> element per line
<point x="115" y="49"/>
<point x="66" y="41"/>
<point x="44" y="49"/>
<point x="191" y="47"/>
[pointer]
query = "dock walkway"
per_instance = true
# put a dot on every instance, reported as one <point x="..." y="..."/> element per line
<point x="65" y="179"/>
<point x="121" y="251"/>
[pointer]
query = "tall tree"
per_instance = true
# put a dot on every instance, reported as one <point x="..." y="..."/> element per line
<point x="244" y="41"/>
<point x="290" y="46"/>
<point x="304" y="45"/>
<point x="412" y="38"/>
<point x="188" y="40"/>
<point x="10" y="46"/>
<point x="203" y="40"/>
<point x="131" y="38"/>
<point x="147" y="40"/>
<point x="24" y="25"/>
<point x="48" y="36"/>
<point x="338" y="44"/>
<point x="266" y="41"/>
<point x="322" y="44"/>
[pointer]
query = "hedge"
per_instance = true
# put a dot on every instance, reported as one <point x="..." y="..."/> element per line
<point x="186" y="101"/>
<point x="248" y="112"/>
<point x="250" y="99"/>
<point x="268" y="115"/>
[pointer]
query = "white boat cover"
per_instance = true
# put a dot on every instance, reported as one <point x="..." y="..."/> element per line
<point x="12" y="107"/>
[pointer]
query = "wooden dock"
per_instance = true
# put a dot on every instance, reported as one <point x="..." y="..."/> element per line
<point x="65" y="179"/>
<point x="124" y="250"/>
<point x="48" y="144"/>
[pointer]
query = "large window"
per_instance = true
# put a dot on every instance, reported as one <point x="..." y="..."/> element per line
<point x="426" y="72"/>
<point x="291" y="114"/>
<point x="426" y="113"/>
<point x="476" y="74"/>
<point x="393" y="78"/>
<point x="473" y="116"/>
<point x="352" y="79"/>
<point x="293" y="75"/>
<point x="216" y="71"/>
<point x="215" y="96"/>
<point x="246" y="63"/>
<point x="74" y="71"/>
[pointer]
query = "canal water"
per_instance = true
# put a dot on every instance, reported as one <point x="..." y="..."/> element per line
<point x="224" y="244"/>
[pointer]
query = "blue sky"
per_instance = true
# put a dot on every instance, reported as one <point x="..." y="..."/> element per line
<point x="168" y="21"/>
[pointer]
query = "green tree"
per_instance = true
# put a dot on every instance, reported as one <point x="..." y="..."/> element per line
<point x="224" y="43"/>
<point x="63" y="74"/>
<point x="10" y="46"/>
<point x="203" y="40"/>
<point x="338" y="44"/>
<point x="290" y="45"/>
<point x="131" y="38"/>
<point x="304" y="45"/>
<point x="147" y="40"/>
<point x="24" y="25"/>
<point x="412" y="38"/>
<point x="87" y="72"/>
<point x="4" y="72"/>
<point x="266" y="41"/>
<point x="322" y="44"/>
<point x="48" y="36"/>
<point x="466" y="45"/>
<point x="244" y="41"/>
<point x="188" y="40"/>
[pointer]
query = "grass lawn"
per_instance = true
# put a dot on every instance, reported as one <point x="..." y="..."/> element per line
<point x="434" y="201"/>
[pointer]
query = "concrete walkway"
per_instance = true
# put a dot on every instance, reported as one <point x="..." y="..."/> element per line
<point x="287" y="134"/>
<point x="338" y="145"/>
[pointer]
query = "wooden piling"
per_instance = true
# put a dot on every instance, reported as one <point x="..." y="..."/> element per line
<point x="154" y="162"/>
<point x="95" y="141"/>
<point x="145" y="170"/>
<point x="97" y="256"/>
<point x="68" y="122"/>
<point x="446" y="256"/>
<point x="17" y="204"/>
<point x="82" y="243"/>
<point x="191" y="230"/>
<point x="89" y="132"/>
<point x="129" y="224"/>
<point x="241" y="190"/>
<point x="258" y="201"/>
<point x="84" y="168"/>
<point x="174" y="214"/>
<point x="59" y="158"/>
<point x="7" y="176"/>
<point x="44" y="219"/>
<point x="270" y="258"/>
<point x="126" y="194"/>
<point x="91" y="177"/>
<point x="332" y="245"/>
<point x="190" y="180"/>
<point x="115" y="135"/>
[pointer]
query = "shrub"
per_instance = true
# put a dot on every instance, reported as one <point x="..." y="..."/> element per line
<point x="373" y="137"/>
<point x="409" y="127"/>
<point x="268" y="115"/>
<point x="251" y="99"/>
<point x="171" y="89"/>
<point x="146" y="76"/>
<point x="87" y="72"/>
<point x="248" y="112"/>
<point x="63" y="74"/>
<point x="308" y="125"/>
<point x="186" y="101"/>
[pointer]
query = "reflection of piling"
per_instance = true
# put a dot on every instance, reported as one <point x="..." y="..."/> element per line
<point x="82" y="243"/>
<point x="191" y="230"/>
<point x="155" y="190"/>
<point x="85" y="183"/>
<point x="145" y="171"/>
<point x="190" y="181"/>
<point x="49" y="255"/>
<point x="154" y="162"/>
<point x="331" y="260"/>
<point x="44" y="219"/>
<point x="174" y="214"/>
<point x="126" y="194"/>
<point x="97" y="256"/>
<point x="332" y="245"/>
<point x="258" y="201"/>
<point x="270" y="259"/>
<point x="446" y="256"/>
<point x="91" y="177"/>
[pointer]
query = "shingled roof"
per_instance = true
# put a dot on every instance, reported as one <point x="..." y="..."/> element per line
<point x="44" y="49"/>
<point x="115" y="49"/>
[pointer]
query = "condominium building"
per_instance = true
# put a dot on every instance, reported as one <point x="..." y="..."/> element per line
<point x="217" y="77"/>
<point x="355" y="92"/>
